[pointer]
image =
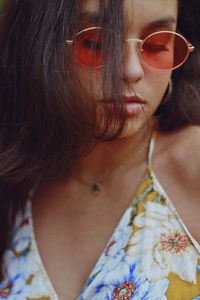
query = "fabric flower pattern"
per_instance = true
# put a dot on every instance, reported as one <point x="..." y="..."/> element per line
<point x="125" y="282"/>
<point x="164" y="245"/>
<point x="21" y="267"/>
<point x="16" y="289"/>
<point x="114" y="249"/>
<point x="15" y="268"/>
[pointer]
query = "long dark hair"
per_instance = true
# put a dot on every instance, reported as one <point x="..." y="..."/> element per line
<point x="183" y="107"/>
<point x="47" y="123"/>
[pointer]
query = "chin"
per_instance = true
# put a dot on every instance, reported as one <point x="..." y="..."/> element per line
<point x="142" y="126"/>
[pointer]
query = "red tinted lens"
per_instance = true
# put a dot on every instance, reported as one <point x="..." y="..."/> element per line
<point x="88" y="47"/>
<point x="165" y="50"/>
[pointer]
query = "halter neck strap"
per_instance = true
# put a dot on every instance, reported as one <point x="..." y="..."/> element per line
<point x="151" y="147"/>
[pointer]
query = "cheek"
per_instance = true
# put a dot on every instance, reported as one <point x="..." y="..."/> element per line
<point x="158" y="82"/>
<point x="91" y="81"/>
<point x="88" y="81"/>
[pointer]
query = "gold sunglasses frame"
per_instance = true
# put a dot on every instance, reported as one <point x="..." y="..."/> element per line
<point x="191" y="48"/>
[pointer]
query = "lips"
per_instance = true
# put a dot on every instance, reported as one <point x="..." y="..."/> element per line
<point x="133" y="104"/>
<point x="133" y="99"/>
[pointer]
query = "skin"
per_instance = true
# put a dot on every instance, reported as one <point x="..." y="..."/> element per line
<point x="78" y="217"/>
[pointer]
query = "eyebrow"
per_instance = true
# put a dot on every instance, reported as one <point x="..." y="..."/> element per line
<point x="91" y="17"/>
<point x="94" y="17"/>
<point x="166" y="22"/>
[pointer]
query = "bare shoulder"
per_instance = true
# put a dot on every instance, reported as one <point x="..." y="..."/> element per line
<point x="180" y="149"/>
<point x="188" y="137"/>
<point x="176" y="163"/>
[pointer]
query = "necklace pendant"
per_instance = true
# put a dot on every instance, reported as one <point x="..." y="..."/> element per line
<point x="96" y="188"/>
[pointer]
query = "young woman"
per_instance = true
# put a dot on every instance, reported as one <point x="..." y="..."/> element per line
<point x="99" y="158"/>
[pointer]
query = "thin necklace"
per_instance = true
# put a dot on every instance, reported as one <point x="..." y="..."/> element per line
<point x="97" y="186"/>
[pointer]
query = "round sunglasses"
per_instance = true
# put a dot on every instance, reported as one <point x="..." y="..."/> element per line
<point x="162" y="50"/>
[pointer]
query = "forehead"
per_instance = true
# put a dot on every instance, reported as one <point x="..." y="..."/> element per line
<point x="138" y="13"/>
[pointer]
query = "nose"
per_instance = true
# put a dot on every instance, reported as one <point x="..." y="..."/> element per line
<point x="132" y="66"/>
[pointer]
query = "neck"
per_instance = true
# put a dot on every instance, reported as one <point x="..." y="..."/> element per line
<point x="112" y="158"/>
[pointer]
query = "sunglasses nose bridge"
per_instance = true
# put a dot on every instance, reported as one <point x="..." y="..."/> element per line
<point x="134" y="40"/>
<point x="139" y="41"/>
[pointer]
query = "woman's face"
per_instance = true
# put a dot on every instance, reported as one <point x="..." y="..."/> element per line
<point x="144" y="85"/>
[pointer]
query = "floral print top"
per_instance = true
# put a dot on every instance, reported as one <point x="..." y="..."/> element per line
<point x="150" y="256"/>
